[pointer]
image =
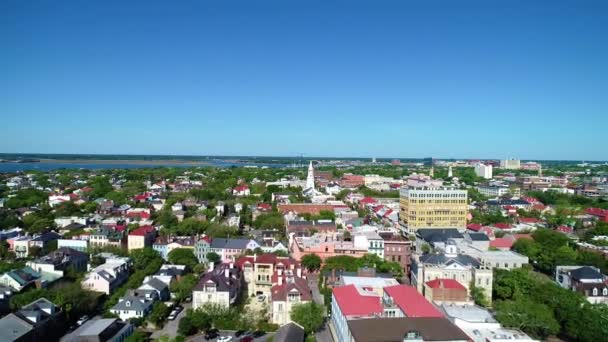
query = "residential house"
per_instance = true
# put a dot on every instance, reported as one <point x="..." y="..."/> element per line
<point x="77" y="244"/>
<point x="141" y="237"/>
<point x="230" y="249"/>
<point x="59" y="261"/>
<point x="586" y="280"/>
<point x="21" y="278"/>
<point x="106" y="237"/>
<point x="20" y="245"/>
<point x="40" y="320"/>
<point x="158" y="286"/>
<point x="325" y="246"/>
<point x="290" y="290"/>
<point x="134" y="305"/>
<point x="164" y="245"/>
<point x="201" y="248"/>
<point x="108" y="276"/>
<point x="241" y="190"/>
<point x="42" y="240"/>
<point x="259" y="269"/>
<point x="221" y="285"/>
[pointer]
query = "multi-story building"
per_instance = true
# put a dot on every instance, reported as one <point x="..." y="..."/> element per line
<point x="21" y="278"/>
<point x="433" y="208"/>
<point x="104" y="329"/>
<point x="510" y="164"/>
<point x="451" y="265"/>
<point x="325" y="246"/>
<point x="494" y="191"/>
<point x="587" y="280"/>
<point x="141" y="237"/>
<point x="445" y="291"/>
<point x="259" y="269"/>
<point x="397" y="249"/>
<point x="79" y="245"/>
<point x="483" y="170"/>
<point x="220" y="286"/>
<point x="106" y="237"/>
<point x="290" y="290"/>
<point x="353" y="303"/>
<point x="202" y="247"/>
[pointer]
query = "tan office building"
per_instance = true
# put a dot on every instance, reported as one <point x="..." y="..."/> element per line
<point x="433" y="208"/>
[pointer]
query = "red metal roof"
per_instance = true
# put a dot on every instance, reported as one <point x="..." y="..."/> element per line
<point x="501" y="243"/>
<point x="352" y="303"/>
<point x="474" y="227"/>
<point x="529" y="220"/>
<point x="502" y="225"/>
<point x="367" y="200"/>
<point x="142" y="231"/>
<point x="445" y="284"/>
<point x="411" y="302"/>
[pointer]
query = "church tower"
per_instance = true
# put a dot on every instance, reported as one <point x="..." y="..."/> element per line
<point x="450" y="172"/>
<point x="310" y="178"/>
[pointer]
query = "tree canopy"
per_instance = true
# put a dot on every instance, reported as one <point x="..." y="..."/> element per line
<point x="310" y="316"/>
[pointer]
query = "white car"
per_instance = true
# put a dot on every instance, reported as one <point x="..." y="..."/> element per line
<point x="224" y="339"/>
<point x="82" y="320"/>
<point x="172" y="315"/>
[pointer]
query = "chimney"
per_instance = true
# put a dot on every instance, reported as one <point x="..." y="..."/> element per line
<point x="227" y="273"/>
<point x="231" y="265"/>
<point x="211" y="266"/>
<point x="255" y="257"/>
<point x="280" y="280"/>
<point x="299" y="272"/>
<point x="280" y="272"/>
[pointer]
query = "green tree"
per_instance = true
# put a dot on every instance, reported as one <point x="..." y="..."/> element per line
<point x="183" y="256"/>
<point x="310" y="316"/>
<point x="158" y="314"/>
<point x="213" y="257"/>
<point x="478" y="295"/>
<point x="137" y="336"/>
<point x="183" y="288"/>
<point x="185" y="326"/>
<point x="312" y="262"/>
<point x="533" y="318"/>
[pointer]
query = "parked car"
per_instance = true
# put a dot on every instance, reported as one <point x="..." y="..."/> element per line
<point x="82" y="320"/>
<point x="211" y="334"/>
<point x="224" y="339"/>
<point x="246" y="339"/>
<point x="258" y="333"/>
<point x="238" y="333"/>
<point x="172" y="315"/>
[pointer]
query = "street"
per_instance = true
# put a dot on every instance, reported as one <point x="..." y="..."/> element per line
<point x="201" y="337"/>
<point x="170" y="329"/>
<point x="324" y="334"/>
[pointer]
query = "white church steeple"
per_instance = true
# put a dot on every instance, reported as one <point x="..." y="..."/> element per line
<point x="310" y="178"/>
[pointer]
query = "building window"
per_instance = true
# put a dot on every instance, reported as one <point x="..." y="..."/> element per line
<point x="595" y="291"/>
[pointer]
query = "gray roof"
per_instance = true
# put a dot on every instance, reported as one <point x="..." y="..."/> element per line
<point x="289" y="332"/>
<point x="438" y="234"/>
<point x="135" y="304"/>
<point x="156" y="284"/>
<point x="479" y="237"/>
<point x="442" y="259"/>
<point x="230" y="243"/>
<point x="12" y="327"/>
<point x="586" y="272"/>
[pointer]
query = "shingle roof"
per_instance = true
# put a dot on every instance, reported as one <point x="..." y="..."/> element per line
<point x="585" y="272"/>
<point x="439" y="234"/>
<point x="229" y="243"/>
<point x="479" y="237"/>
<point x="442" y="259"/>
<point x="136" y="304"/>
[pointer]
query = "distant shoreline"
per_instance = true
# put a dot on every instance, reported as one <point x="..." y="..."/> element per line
<point x="124" y="161"/>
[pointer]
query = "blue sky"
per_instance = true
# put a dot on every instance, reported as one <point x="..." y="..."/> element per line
<point x="451" y="79"/>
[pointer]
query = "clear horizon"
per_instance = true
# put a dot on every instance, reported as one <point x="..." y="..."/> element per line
<point x="272" y="78"/>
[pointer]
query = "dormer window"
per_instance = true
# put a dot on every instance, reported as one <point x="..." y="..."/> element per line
<point x="595" y="291"/>
<point x="412" y="335"/>
<point x="605" y="292"/>
<point x="128" y="304"/>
